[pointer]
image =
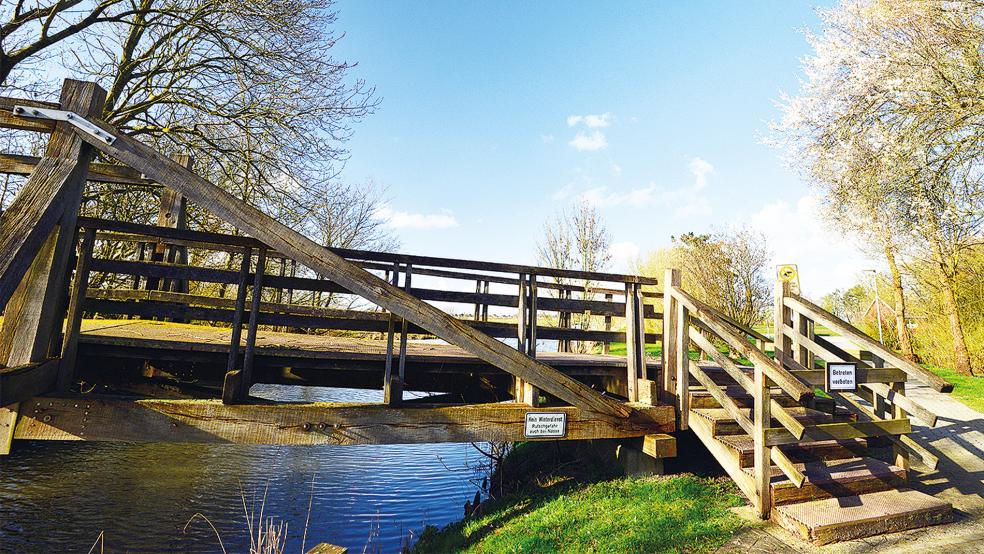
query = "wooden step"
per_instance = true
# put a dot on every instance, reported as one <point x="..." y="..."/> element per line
<point x="829" y="479"/>
<point x="700" y="398"/>
<point x="723" y="424"/>
<point x="854" y="517"/>
<point x="803" y="452"/>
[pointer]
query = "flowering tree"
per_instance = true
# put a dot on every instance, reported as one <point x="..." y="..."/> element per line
<point x="889" y="125"/>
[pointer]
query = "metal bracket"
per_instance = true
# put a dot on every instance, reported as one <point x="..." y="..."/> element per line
<point x="79" y="122"/>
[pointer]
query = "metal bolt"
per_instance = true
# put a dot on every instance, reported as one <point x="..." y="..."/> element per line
<point x="69" y="116"/>
<point x="109" y="140"/>
<point x="35" y="112"/>
<point x="322" y="426"/>
<point x="306" y="426"/>
<point x="46" y="418"/>
<point x="18" y="109"/>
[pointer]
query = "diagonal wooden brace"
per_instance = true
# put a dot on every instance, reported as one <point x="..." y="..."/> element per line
<point x="353" y="278"/>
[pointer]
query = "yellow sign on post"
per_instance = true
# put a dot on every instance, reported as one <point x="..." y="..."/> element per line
<point x="790" y="274"/>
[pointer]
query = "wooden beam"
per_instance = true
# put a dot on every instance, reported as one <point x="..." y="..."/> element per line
<point x="25" y="381"/>
<point x="16" y="164"/>
<point x="659" y="446"/>
<point x="211" y="421"/>
<point x="10" y="121"/>
<point x="40" y="233"/>
<point x="787" y="466"/>
<point x="840" y="431"/>
<point x="846" y="329"/>
<point x="332" y="266"/>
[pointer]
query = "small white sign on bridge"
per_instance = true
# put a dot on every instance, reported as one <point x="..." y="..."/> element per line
<point x="546" y="425"/>
<point x="842" y="376"/>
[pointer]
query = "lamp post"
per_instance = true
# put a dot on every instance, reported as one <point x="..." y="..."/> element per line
<point x="874" y="284"/>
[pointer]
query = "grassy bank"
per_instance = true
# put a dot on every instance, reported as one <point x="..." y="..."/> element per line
<point x="966" y="388"/>
<point x="567" y="508"/>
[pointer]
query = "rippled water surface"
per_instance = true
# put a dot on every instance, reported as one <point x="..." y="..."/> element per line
<point x="58" y="497"/>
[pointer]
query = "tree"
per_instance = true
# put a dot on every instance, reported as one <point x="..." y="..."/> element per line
<point x="576" y="239"/>
<point x="889" y="123"/>
<point x="729" y="271"/>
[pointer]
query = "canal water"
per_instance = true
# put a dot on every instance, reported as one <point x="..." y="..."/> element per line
<point x="58" y="497"/>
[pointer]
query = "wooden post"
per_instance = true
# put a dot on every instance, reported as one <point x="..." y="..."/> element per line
<point x="485" y="306"/>
<point x="762" y="453"/>
<point x="36" y="309"/>
<point x="396" y="384"/>
<point x="673" y="278"/>
<point x="478" y="305"/>
<point x="230" y="388"/>
<point x="534" y="316"/>
<point x="522" y="314"/>
<point x="683" y="364"/>
<point x="606" y="347"/>
<point x="390" y="332"/>
<point x="782" y="316"/>
<point x="172" y="214"/>
<point x="246" y="377"/>
<point x="901" y="454"/>
<point x="632" y="360"/>
<point x="73" y="328"/>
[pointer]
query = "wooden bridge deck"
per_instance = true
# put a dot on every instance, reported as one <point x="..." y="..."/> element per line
<point x="201" y="352"/>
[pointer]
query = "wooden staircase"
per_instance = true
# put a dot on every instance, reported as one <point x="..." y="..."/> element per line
<point x="805" y="461"/>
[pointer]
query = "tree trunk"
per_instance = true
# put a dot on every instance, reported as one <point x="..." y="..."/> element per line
<point x="901" y="327"/>
<point x="947" y="280"/>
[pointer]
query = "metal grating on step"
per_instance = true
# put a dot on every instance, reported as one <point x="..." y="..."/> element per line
<point x="857" y="509"/>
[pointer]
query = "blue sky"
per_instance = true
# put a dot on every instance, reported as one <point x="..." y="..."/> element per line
<point x="483" y="130"/>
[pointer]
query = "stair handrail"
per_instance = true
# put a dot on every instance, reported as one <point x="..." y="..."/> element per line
<point x="802" y="305"/>
<point x="785" y="380"/>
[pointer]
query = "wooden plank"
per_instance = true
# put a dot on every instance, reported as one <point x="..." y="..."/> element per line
<point x="846" y="329"/>
<point x="902" y="402"/>
<point x="210" y="421"/>
<point x="16" y="164"/>
<point x="840" y="431"/>
<point x="332" y="266"/>
<point x="25" y="381"/>
<point x="787" y="466"/>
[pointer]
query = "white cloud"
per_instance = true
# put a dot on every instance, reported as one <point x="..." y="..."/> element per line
<point x="546" y="138"/>
<point x="623" y="252"/>
<point x="563" y="192"/>
<point x="700" y="168"/>
<point x="590" y="143"/>
<point x="686" y="201"/>
<point x="592" y="121"/>
<point x="798" y="235"/>
<point x="405" y="220"/>
<point x="616" y="169"/>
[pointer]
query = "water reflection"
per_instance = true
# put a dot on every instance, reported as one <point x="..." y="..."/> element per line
<point x="58" y="496"/>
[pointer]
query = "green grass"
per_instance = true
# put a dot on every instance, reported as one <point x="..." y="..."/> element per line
<point x="579" y="507"/>
<point x="966" y="388"/>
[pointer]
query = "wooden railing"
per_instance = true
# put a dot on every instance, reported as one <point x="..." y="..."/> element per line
<point x="693" y="320"/>
<point x="160" y="285"/>
<point x="880" y="396"/>
<point x="798" y="370"/>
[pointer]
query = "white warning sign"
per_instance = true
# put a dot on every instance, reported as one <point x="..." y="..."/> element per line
<point x="842" y="376"/>
<point x="546" y="425"/>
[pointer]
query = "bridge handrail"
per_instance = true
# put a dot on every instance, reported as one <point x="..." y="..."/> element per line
<point x="366" y="255"/>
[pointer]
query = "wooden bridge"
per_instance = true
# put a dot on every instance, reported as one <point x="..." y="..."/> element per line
<point x="115" y="330"/>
